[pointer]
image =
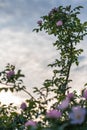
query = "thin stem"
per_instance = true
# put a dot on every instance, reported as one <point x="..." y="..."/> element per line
<point x="29" y="94"/>
<point x="22" y="89"/>
<point x="69" y="66"/>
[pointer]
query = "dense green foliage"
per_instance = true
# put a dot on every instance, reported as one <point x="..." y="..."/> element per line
<point x="67" y="109"/>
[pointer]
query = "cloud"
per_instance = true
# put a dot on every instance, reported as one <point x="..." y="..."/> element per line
<point x="30" y="51"/>
<point x="8" y="97"/>
<point x="78" y="73"/>
<point x="23" y="14"/>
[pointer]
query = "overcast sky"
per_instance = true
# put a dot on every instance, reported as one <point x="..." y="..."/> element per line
<point x="30" y="51"/>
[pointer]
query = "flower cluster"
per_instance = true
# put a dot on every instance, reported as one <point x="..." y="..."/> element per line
<point x="69" y="108"/>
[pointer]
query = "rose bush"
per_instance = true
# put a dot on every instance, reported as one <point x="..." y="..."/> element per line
<point x="68" y="110"/>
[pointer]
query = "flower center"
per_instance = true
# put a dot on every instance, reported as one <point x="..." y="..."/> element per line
<point x="78" y="116"/>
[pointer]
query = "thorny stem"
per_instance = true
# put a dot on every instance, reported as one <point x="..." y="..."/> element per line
<point x="69" y="66"/>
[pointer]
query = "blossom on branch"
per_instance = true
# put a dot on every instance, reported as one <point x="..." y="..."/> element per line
<point x="30" y="123"/>
<point x="23" y="106"/>
<point x="39" y="22"/>
<point x="59" y="23"/>
<point x="77" y="115"/>
<point x="10" y="74"/>
<point x="70" y="96"/>
<point x="53" y="114"/>
<point x="85" y="94"/>
<point x="64" y="104"/>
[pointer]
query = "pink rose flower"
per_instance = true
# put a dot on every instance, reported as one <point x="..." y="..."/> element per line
<point x="64" y="104"/>
<point x="10" y="73"/>
<point x="85" y="94"/>
<point x="30" y="123"/>
<point x="70" y="96"/>
<point x="23" y="106"/>
<point x="77" y="115"/>
<point x="39" y="22"/>
<point x="59" y="23"/>
<point x="53" y="114"/>
<point x="53" y="11"/>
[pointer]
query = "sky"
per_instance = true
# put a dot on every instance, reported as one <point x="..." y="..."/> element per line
<point x="32" y="52"/>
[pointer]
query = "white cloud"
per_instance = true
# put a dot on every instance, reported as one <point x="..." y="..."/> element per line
<point x="8" y="97"/>
<point x="30" y="51"/>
